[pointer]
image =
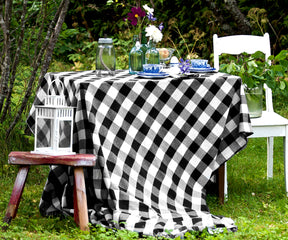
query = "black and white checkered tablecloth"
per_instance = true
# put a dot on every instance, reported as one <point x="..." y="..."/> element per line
<point x="157" y="143"/>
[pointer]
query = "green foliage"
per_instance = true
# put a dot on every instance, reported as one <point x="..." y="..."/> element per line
<point x="258" y="206"/>
<point x="196" y="20"/>
<point x="17" y="140"/>
<point x="75" y="48"/>
<point x="32" y="37"/>
<point x="254" y="70"/>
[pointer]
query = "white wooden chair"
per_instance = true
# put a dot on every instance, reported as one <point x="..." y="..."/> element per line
<point x="270" y="124"/>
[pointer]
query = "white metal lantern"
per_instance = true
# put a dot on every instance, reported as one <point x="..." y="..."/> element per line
<point x="54" y="125"/>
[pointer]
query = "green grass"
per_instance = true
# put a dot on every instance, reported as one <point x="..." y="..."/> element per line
<point x="258" y="206"/>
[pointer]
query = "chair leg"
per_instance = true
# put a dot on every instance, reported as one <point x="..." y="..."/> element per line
<point x="80" y="201"/>
<point x="16" y="195"/>
<point x="225" y="183"/>
<point x="285" y="141"/>
<point x="221" y="183"/>
<point x="270" y="144"/>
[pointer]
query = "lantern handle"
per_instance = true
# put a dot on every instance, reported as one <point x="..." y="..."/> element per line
<point x="51" y="84"/>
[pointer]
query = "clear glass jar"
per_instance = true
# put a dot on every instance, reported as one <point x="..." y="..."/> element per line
<point x="254" y="97"/>
<point x="105" y="57"/>
<point x="136" y="57"/>
<point x="152" y="54"/>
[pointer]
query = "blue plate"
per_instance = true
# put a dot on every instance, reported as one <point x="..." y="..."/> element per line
<point x="153" y="75"/>
<point x="202" y="70"/>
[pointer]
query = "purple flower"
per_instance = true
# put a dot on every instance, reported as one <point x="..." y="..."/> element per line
<point x="135" y="14"/>
<point x="184" y="65"/>
<point x="151" y="17"/>
<point x="161" y="26"/>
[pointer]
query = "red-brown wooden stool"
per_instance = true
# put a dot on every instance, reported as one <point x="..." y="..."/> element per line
<point x="77" y="161"/>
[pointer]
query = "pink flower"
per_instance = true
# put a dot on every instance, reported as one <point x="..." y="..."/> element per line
<point x="135" y="14"/>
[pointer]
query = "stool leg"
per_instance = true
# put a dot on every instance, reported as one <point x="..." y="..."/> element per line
<point x="80" y="201"/>
<point x="16" y="195"/>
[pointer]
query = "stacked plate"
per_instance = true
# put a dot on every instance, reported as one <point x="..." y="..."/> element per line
<point x="202" y="70"/>
<point x="153" y="75"/>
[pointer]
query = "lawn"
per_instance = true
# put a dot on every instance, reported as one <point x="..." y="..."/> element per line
<point x="258" y="206"/>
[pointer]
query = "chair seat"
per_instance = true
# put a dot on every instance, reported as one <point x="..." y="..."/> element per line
<point x="270" y="124"/>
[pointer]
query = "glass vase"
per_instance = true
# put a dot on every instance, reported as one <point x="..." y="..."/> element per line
<point x="152" y="54"/>
<point x="136" y="57"/>
<point x="254" y="97"/>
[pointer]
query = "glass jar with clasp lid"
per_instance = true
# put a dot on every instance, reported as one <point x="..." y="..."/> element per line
<point x="105" y="57"/>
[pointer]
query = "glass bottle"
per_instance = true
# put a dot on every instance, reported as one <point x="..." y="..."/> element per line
<point x="144" y="45"/>
<point x="105" y="57"/>
<point x="152" y="54"/>
<point x="136" y="57"/>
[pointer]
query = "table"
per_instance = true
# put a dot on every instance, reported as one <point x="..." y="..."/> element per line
<point x="157" y="142"/>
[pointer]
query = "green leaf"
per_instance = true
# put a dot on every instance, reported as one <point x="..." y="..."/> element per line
<point x="282" y="55"/>
<point x="258" y="55"/>
<point x="284" y="63"/>
<point x="230" y="68"/>
<point x="282" y="85"/>
<point x="109" y="2"/>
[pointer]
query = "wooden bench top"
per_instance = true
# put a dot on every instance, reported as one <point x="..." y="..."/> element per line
<point x="28" y="158"/>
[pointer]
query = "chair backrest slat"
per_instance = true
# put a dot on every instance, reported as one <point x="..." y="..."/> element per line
<point x="237" y="44"/>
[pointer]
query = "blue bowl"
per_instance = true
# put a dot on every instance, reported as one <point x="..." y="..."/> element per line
<point x="152" y="68"/>
<point x="199" y="63"/>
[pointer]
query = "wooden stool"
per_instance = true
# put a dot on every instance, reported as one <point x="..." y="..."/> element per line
<point x="26" y="159"/>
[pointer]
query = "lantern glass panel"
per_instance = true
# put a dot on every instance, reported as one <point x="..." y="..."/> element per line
<point x="65" y="128"/>
<point x="44" y="138"/>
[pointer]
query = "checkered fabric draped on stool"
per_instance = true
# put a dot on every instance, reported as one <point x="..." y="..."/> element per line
<point x="157" y="143"/>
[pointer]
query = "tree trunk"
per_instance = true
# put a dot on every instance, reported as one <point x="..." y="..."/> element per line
<point x="5" y="67"/>
<point x="243" y="25"/>
<point x="15" y="63"/>
<point x="42" y="54"/>
<point x="241" y="21"/>
<point x="54" y="38"/>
